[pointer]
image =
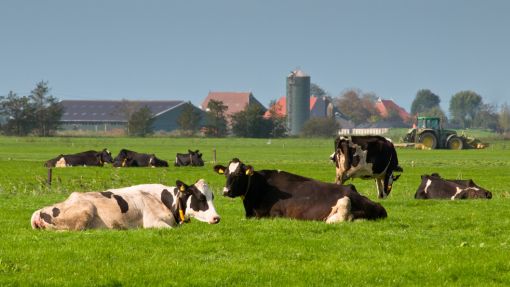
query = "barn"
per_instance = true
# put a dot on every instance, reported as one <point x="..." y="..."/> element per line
<point x="108" y="115"/>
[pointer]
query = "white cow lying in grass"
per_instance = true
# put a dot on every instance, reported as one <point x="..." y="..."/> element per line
<point x="145" y="205"/>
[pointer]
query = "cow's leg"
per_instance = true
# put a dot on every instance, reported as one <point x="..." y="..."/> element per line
<point x="380" y="188"/>
<point x="155" y="214"/>
<point x="341" y="211"/>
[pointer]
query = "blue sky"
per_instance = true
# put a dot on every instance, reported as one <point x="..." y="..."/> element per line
<point x="181" y="50"/>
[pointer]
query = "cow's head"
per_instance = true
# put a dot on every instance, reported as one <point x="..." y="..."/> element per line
<point x="45" y="218"/>
<point x="105" y="156"/>
<point x="473" y="192"/>
<point x="238" y="177"/>
<point x="343" y="158"/>
<point x="156" y="162"/>
<point x="121" y="159"/>
<point x="196" y="158"/>
<point x="197" y="200"/>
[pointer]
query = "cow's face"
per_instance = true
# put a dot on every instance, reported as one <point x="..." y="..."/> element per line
<point x="196" y="158"/>
<point x="121" y="159"/>
<point x="106" y="156"/>
<point x="342" y="158"/>
<point x="45" y="218"/>
<point x="237" y="174"/>
<point x="199" y="201"/>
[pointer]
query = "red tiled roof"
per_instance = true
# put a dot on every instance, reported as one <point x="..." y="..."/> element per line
<point x="281" y="106"/>
<point x="385" y="106"/>
<point x="235" y="101"/>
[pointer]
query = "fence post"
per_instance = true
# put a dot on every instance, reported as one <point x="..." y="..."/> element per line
<point x="48" y="180"/>
<point x="214" y="155"/>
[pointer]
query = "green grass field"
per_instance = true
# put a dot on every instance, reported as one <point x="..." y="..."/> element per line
<point x="431" y="243"/>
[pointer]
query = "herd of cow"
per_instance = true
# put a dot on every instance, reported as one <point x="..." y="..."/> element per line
<point x="264" y="193"/>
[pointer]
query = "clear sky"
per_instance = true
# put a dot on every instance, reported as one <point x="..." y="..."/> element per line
<point x="181" y="50"/>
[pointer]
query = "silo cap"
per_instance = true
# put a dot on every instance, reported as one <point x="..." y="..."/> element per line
<point x="298" y="73"/>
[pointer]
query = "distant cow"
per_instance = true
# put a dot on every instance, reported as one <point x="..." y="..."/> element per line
<point x="193" y="158"/>
<point x="273" y="193"/>
<point x="139" y="206"/>
<point x="127" y="158"/>
<point x="434" y="186"/>
<point x="366" y="157"/>
<point x="86" y="158"/>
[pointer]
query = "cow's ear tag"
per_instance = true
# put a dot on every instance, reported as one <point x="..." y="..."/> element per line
<point x="221" y="171"/>
<point x="248" y="172"/>
<point x="182" y="188"/>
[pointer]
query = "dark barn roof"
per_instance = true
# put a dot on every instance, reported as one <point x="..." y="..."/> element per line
<point x="110" y="111"/>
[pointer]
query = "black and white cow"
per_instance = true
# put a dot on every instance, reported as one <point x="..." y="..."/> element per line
<point x="127" y="158"/>
<point x="273" y="193"/>
<point x="139" y="206"/>
<point x="193" y="158"/>
<point x="366" y="157"/>
<point x="434" y="186"/>
<point x="86" y="158"/>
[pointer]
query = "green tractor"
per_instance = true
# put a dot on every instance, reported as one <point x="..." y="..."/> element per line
<point x="430" y="134"/>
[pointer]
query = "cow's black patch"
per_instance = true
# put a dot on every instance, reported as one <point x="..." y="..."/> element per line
<point x="198" y="201"/>
<point x="107" y="194"/>
<point x="55" y="211"/>
<point x="124" y="207"/>
<point x="167" y="199"/>
<point x="46" y="217"/>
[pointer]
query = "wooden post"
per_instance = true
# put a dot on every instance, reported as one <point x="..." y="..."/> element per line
<point x="214" y="155"/>
<point x="48" y="181"/>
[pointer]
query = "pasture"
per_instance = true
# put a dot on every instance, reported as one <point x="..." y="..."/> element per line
<point x="425" y="243"/>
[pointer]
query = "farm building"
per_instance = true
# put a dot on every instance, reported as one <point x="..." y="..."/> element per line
<point x="320" y="107"/>
<point x="235" y="101"/>
<point x="109" y="115"/>
<point x="387" y="107"/>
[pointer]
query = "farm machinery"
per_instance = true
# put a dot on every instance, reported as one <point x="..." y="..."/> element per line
<point x="430" y="134"/>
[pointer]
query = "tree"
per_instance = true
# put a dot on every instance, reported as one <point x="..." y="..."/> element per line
<point x="140" y="122"/>
<point x="486" y="117"/>
<point x="424" y="101"/>
<point x="316" y="90"/>
<point x="18" y="113"/>
<point x="320" y="127"/>
<point x="189" y="120"/>
<point x="47" y="110"/>
<point x="436" y="112"/>
<point x="278" y="122"/>
<point x="251" y="123"/>
<point x="504" y="118"/>
<point x="216" y="120"/>
<point x="464" y="106"/>
<point x="358" y="108"/>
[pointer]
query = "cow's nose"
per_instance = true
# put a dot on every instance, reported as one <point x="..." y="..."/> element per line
<point x="215" y="220"/>
<point x="225" y="191"/>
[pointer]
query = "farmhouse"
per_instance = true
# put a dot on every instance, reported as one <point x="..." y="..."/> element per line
<point x="235" y="101"/>
<point x="109" y="115"/>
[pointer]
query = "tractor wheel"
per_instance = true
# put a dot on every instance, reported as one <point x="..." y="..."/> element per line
<point x="455" y="143"/>
<point x="429" y="140"/>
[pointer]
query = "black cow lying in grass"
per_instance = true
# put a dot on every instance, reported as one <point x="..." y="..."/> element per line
<point x="273" y="193"/>
<point x="127" y="158"/>
<point x="86" y="158"/>
<point x="433" y="186"/>
<point x="193" y="158"/>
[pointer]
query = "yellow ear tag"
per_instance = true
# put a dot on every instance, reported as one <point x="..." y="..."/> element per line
<point x="221" y="171"/>
<point x="181" y="214"/>
<point x="182" y="189"/>
<point x="248" y="172"/>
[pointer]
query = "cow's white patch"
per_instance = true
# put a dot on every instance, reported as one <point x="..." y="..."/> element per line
<point x="429" y="182"/>
<point x="233" y="167"/>
<point x="61" y="162"/>
<point x="341" y="211"/>
<point x="457" y="191"/>
<point x="363" y="169"/>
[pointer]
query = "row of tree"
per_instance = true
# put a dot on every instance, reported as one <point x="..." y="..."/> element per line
<point x="38" y="113"/>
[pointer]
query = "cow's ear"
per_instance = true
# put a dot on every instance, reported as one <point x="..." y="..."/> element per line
<point x="249" y="170"/>
<point x="189" y="151"/>
<point x="219" y="169"/>
<point x="181" y="186"/>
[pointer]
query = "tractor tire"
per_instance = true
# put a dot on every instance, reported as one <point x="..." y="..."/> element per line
<point x="455" y="142"/>
<point x="428" y="140"/>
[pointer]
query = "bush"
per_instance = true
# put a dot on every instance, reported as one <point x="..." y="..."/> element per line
<point x="320" y="127"/>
